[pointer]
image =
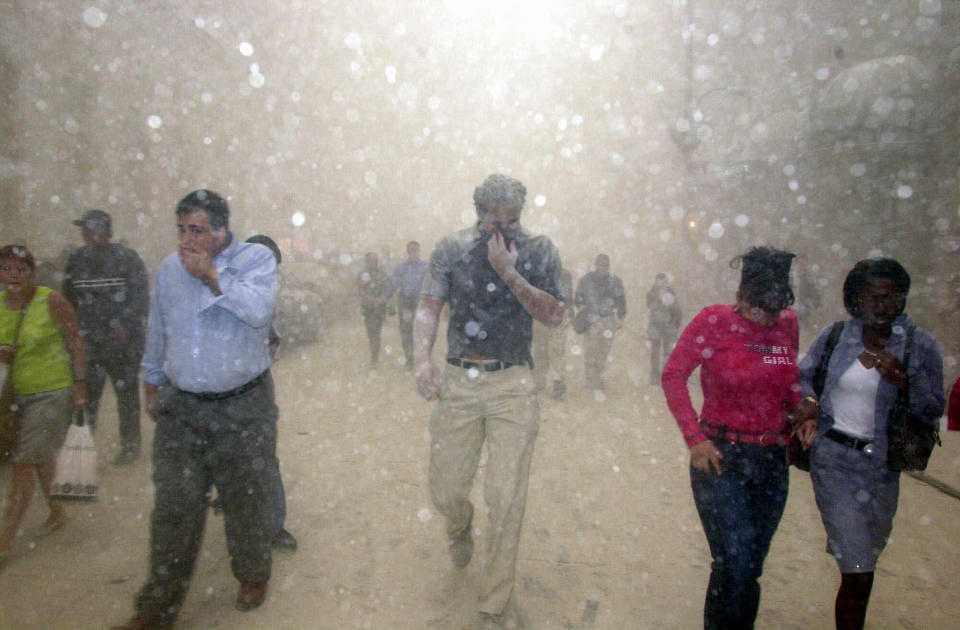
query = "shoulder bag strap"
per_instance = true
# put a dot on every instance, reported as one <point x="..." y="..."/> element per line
<point x="820" y="374"/>
<point x="907" y="347"/>
<point x="16" y="338"/>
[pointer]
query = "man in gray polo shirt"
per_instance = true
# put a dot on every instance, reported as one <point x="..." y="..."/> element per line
<point x="497" y="278"/>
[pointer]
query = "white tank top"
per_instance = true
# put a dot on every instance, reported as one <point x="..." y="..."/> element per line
<point x="854" y="401"/>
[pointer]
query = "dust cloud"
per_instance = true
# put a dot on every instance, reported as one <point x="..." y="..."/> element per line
<point x="671" y="135"/>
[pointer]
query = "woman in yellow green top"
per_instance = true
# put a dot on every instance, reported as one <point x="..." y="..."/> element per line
<point x="48" y="382"/>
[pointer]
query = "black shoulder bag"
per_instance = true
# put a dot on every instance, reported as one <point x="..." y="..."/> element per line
<point x="801" y="458"/>
<point x="910" y="441"/>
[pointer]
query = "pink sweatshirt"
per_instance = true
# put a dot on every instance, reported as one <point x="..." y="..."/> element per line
<point x="748" y="373"/>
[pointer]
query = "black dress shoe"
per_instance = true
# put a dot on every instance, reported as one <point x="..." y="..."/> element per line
<point x="460" y="547"/>
<point x="251" y="595"/>
<point x="285" y="541"/>
<point x="142" y="623"/>
<point x="559" y="387"/>
<point x="126" y="456"/>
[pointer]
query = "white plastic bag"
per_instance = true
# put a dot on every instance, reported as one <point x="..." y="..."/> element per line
<point x="76" y="475"/>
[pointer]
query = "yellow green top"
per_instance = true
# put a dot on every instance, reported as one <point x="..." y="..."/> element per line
<point x="42" y="363"/>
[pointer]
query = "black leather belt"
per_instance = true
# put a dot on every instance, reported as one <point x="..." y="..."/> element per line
<point x="230" y="393"/>
<point x="486" y="366"/>
<point x="847" y="440"/>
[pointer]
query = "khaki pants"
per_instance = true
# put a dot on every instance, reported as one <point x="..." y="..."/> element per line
<point x="550" y="351"/>
<point x="502" y="408"/>
<point x="557" y="349"/>
<point x="597" y="343"/>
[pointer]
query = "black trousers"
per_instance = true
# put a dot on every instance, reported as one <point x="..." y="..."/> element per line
<point x="407" y="311"/>
<point x="124" y="373"/>
<point x="229" y="443"/>
<point x="373" y="321"/>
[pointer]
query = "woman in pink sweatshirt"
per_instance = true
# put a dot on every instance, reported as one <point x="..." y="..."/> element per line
<point x="747" y="355"/>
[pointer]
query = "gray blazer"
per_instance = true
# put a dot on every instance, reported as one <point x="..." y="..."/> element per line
<point x="925" y="372"/>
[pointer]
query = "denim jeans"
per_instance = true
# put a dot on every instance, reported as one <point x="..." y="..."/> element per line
<point x="740" y="511"/>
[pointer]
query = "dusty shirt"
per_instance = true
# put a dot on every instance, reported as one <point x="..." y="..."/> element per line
<point x="370" y="284"/>
<point x="603" y="294"/>
<point x="486" y="318"/>
<point x="664" y="309"/>
<point x="107" y="290"/>
<point x="408" y="277"/>
<point x="201" y="342"/>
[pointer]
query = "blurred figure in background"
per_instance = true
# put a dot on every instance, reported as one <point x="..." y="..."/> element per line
<point x="808" y="298"/>
<point x="370" y="285"/>
<point x="106" y="283"/>
<point x="407" y="278"/>
<point x="601" y="294"/>
<point x="663" y="323"/>
<point x="48" y="371"/>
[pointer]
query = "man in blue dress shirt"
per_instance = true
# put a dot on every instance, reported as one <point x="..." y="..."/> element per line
<point x="408" y="278"/>
<point x="209" y="389"/>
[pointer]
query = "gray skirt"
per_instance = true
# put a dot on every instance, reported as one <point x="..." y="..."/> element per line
<point x="44" y="419"/>
<point x="857" y="497"/>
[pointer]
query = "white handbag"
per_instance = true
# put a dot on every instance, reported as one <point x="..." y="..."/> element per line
<point x="76" y="474"/>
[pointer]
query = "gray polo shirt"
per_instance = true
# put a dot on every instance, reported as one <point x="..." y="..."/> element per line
<point x="486" y="318"/>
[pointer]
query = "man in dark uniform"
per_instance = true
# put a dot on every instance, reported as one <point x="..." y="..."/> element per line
<point x="106" y="283"/>
<point x="497" y="279"/>
<point x="370" y="284"/>
<point x="601" y="294"/>
<point x="663" y="323"/>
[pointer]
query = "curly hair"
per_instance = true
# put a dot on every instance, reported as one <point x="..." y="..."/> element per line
<point x="884" y="268"/>
<point x="765" y="277"/>
<point x="498" y="190"/>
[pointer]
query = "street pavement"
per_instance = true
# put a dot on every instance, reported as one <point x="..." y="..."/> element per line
<point x="611" y="539"/>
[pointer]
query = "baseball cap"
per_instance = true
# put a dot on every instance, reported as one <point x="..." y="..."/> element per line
<point x="95" y="220"/>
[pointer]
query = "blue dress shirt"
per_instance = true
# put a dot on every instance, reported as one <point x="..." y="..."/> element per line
<point x="408" y="277"/>
<point x="199" y="342"/>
